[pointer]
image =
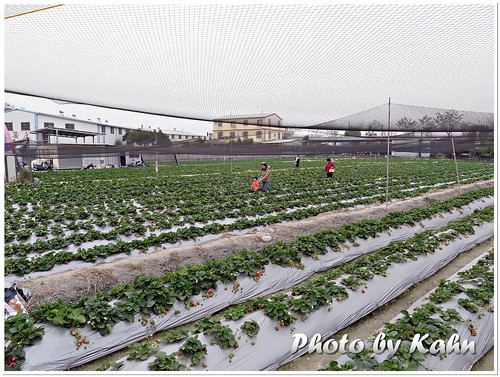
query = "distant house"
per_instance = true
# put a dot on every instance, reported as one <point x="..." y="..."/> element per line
<point x="284" y="143"/>
<point x="45" y="128"/>
<point x="70" y="143"/>
<point x="258" y="127"/>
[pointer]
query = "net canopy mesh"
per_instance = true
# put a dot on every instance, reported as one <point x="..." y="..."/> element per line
<point x="312" y="64"/>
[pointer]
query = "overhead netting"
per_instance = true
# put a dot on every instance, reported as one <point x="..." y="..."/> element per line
<point x="309" y="63"/>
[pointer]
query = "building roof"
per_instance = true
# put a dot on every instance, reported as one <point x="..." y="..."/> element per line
<point x="249" y="116"/>
<point x="170" y="132"/>
<point x="63" y="132"/>
<point x="64" y="117"/>
<point x="281" y="141"/>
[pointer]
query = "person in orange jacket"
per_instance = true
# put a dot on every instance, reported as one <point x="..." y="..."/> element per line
<point x="329" y="168"/>
<point x="255" y="184"/>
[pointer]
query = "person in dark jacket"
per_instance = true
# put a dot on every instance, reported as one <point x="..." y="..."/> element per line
<point x="297" y="161"/>
<point x="329" y="168"/>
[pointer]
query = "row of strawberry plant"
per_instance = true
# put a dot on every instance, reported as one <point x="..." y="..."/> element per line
<point x="165" y="194"/>
<point x="22" y="266"/>
<point x="477" y="283"/>
<point x="150" y="295"/>
<point x="133" y="219"/>
<point x="323" y="291"/>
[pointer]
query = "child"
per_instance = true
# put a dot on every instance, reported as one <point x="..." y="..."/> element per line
<point x="255" y="184"/>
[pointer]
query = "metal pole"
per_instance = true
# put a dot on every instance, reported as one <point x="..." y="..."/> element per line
<point x="388" y="151"/>
<point x="455" y="157"/>
<point x="156" y="148"/>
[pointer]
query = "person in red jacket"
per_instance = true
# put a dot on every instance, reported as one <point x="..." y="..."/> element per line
<point x="329" y="168"/>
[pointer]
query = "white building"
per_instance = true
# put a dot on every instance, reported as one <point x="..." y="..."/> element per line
<point x="45" y="128"/>
<point x="50" y="134"/>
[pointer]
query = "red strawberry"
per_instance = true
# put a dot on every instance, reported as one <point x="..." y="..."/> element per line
<point x="282" y="324"/>
<point x="249" y="310"/>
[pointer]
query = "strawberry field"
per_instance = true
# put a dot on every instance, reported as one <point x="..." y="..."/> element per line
<point x="238" y="310"/>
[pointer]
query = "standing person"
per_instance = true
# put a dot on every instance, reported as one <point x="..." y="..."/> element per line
<point x="266" y="177"/>
<point x="329" y="168"/>
<point x="297" y="161"/>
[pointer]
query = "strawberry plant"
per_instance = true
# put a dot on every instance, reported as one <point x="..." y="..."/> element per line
<point x="195" y="349"/>
<point x="222" y="336"/>
<point x="172" y="336"/>
<point x="141" y="351"/>
<point x="206" y="324"/>
<point x="166" y="362"/>
<point x="100" y="314"/>
<point x="19" y="330"/>
<point x="251" y="328"/>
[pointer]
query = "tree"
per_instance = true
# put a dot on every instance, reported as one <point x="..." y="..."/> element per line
<point x="143" y="137"/>
<point x="450" y="120"/>
<point x="162" y="139"/>
<point x="407" y="123"/>
<point x="139" y="137"/>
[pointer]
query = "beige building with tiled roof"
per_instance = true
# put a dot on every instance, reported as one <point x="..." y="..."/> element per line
<point x="258" y="127"/>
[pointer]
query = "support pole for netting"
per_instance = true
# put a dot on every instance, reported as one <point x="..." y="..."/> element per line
<point x="388" y="154"/>
<point x="455" y="157"/>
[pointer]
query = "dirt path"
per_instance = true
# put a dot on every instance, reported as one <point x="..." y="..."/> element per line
<point x="73" y="284"/>
<point x="369" y="324"/>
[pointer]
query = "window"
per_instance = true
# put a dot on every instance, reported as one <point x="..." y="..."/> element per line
<point x="259" y="121"/>
<point x="186" y="137"/>
<point x="69" y="126"/>
<point x="275" y="136"/>
<point x="269" y="135"/>
<point x="25" y="126"/>
<point x="220" y="124"/>
<point x="220" y="134"/>
<point x="9" y="126"/>
<point x="232" y="134"/>
<point x="112" y="130"/>
<point x="269" y="122"/>
<point x="103" y="129"/>
<point x="245" y="122"/>
<point x="48" y="125"/>
<point x="245" y="134"/>
<point x="233" y="125"/>
<point x="279" y="122"/>
<point x="258" y="135"/>
<point x="120" y="130"/>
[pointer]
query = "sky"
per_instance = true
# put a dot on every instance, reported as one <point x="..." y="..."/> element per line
<point x="309" y="62"/>
<point x="114" y="117"/>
